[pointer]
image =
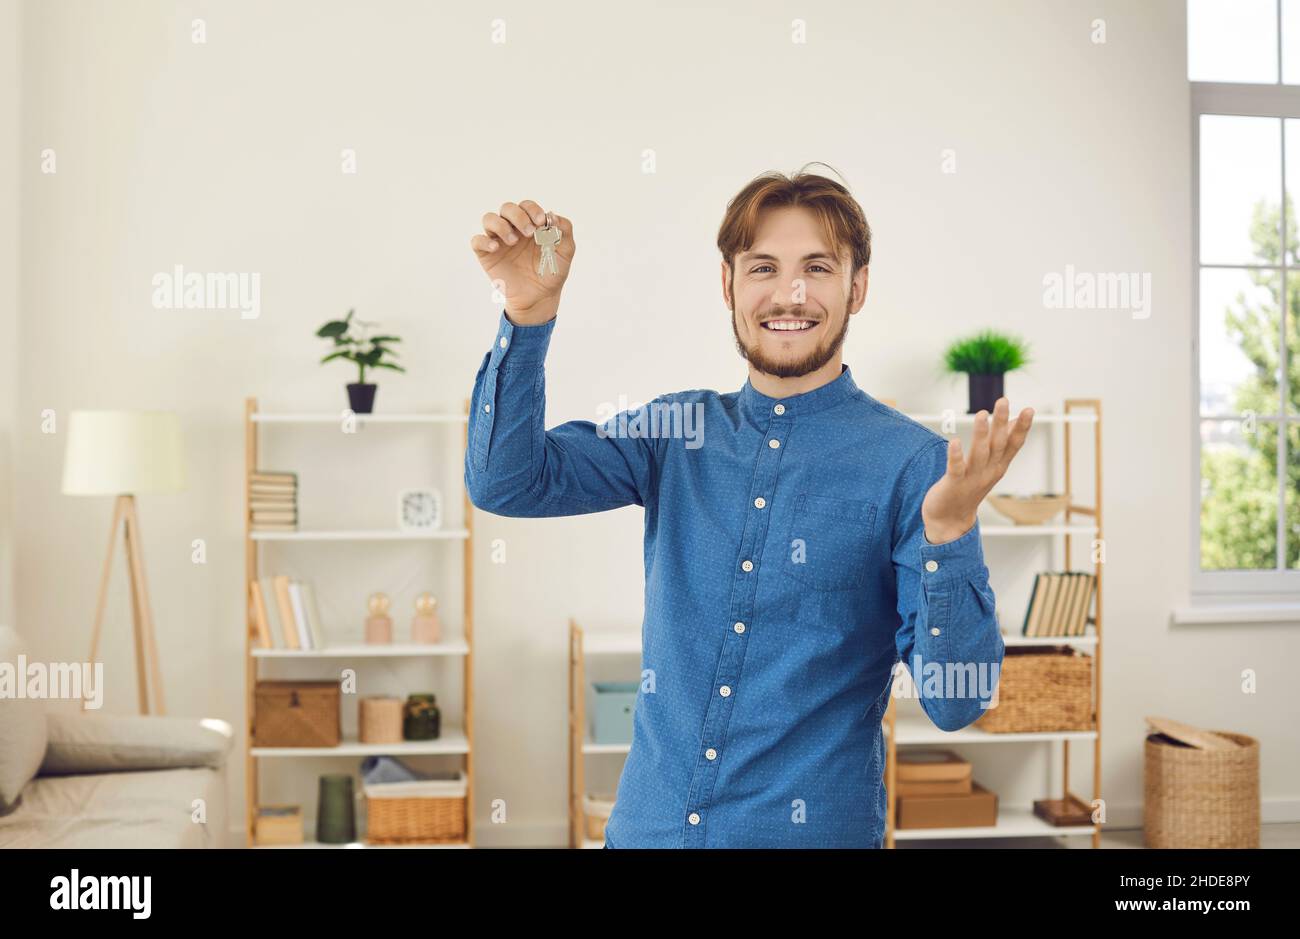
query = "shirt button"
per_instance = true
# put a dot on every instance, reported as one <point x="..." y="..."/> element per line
<point x="931" y="566"/>
<point x="760" y="502"/>
<point x="502" y="343"/>
<point x="934" y="630"/>
<point x="739" y="627"/>
<point x="779" y="409"/>
<point x="774" y="443"/>
<point x="694" y="817"/>
<point x="487" y="408"/>
<point x="725" y="691"/>
<point x="746" y="565"/>
<point x="711" y="753"/>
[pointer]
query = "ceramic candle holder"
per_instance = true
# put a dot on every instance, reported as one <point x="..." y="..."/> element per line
<point x="379" y="625"/>
<point x="425" y="626"/>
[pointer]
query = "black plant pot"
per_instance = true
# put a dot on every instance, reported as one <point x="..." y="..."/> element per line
<point x="984" y="392"/>
<point x="361" y="397"/>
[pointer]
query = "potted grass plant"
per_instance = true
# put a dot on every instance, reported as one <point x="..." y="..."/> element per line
<point x="355" y="341"/>
<point x="985" y="358"/>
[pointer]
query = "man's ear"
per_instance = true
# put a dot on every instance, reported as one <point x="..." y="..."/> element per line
<point x="859" y="290"/>
<point x="726" y="284"/>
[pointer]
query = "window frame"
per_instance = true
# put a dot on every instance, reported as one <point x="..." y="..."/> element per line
<point x="1245" y="100"/>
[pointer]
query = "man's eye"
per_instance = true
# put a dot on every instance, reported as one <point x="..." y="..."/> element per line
<point x="756" y="270"/>
<point x="827" y="270"/>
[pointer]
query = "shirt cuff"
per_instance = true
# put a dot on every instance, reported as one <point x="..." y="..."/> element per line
<point x="521" y="345"/>
<point x="953" y="559"/>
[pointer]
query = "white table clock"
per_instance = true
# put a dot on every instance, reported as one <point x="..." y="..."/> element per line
<point x="419" y="509"/>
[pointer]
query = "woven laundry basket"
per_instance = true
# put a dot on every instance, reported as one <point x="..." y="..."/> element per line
<point x="1197" y="797"/>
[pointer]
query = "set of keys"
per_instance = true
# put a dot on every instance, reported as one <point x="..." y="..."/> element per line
<point x="547" y="237"/>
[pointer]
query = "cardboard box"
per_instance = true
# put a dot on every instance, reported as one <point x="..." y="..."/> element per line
<point x="978" y="808"/>
<point x="958" y="787"/>
<point x="929" y="766"/>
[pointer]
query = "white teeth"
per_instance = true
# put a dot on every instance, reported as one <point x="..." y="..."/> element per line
<point x="788" y="324"/>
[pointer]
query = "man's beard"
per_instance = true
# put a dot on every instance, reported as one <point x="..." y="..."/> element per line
<point x="814" y="360"/>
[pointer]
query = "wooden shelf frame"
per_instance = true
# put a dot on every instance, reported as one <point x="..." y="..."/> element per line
<point x="464" y="735"/>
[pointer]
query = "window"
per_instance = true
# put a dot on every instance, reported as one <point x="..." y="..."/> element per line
<point x="1243" y="59"/>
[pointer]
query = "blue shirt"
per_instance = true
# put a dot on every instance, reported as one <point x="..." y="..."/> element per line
<point x="786" y="572"/>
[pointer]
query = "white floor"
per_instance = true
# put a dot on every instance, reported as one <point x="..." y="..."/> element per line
<point x="1271" y="836"/>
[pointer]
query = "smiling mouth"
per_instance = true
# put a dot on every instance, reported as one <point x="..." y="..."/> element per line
<point x="788" y="325"/>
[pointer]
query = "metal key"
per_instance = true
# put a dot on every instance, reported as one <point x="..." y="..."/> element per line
<point x="548" y="236"/>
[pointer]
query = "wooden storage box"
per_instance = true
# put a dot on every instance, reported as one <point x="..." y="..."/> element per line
<point x="296" y="714"/>
<point x="420" y="812"/>
<point x="278" y="824"/>
<point x="1042" y="690"/>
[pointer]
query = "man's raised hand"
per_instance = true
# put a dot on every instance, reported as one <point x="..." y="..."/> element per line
<point x="509" y="255"/>
<point x="950" y="506"/>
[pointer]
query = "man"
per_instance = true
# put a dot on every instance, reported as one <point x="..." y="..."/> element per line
<point x="814" y="539"/>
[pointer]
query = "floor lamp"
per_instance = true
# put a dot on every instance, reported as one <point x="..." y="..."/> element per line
<point x="122" y="454"/>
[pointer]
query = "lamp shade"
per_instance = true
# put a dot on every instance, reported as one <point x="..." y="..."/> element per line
<point x="117" y="452"/>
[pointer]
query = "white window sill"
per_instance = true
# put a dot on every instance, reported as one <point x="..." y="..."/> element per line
<point x="1238" y="613"/>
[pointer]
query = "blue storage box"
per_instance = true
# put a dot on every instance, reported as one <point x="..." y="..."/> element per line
<point x="611" y="713"/>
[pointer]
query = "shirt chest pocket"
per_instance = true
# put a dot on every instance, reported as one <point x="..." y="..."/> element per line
<point x="830" y="541"/>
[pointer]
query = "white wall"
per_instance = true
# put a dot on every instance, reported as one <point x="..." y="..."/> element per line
<point x="226" y="157"/>
<point x="9" y="253"/>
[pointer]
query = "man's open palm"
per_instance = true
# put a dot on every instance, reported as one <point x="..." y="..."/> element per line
<point x="950" y="506"/>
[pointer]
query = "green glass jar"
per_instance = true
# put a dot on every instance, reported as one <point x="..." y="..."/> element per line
<point x="421" y="719"/>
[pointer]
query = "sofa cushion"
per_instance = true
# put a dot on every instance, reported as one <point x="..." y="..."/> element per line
<point x="81" y="742"/>
<point x="120" y="810"/>
<point x="22" y="724"/>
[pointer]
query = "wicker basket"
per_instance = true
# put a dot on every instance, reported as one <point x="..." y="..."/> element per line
<point x="380" y="720"/>
<point x="1042" y="690"/>
<point x="296" y="714"/>
<point x="595" y="814"/>
<point x="1194" y="798"/>
<point x="402" y="819"/>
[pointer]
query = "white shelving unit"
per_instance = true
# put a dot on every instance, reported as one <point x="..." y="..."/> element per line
<point x="582" y="644"/>
<point x="453" y="740"/>
<point x="1014" y="820"/>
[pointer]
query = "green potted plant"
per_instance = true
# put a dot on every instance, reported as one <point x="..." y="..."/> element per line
<point x="354" y="341"/>
<point x="985" y="358"/>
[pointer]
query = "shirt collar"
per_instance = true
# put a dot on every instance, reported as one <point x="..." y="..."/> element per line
<point x="759" y="406"/>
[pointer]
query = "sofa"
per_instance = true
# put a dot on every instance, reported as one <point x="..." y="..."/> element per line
<point x="80" y="779"/>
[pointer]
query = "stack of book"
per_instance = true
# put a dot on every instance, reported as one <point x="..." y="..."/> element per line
<point x="1059" y="603"/>
<point x="285" y="614"/>
<point x="273" y="501"/>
